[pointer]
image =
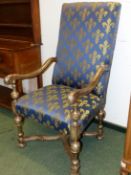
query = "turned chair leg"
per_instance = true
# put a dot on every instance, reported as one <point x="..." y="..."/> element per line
<point x="19" y="125"/>
<point x="18" y="119"/>
<point x="101" y="117"/>
<point x="75" y="162"/>
<point x="75" y="143"/>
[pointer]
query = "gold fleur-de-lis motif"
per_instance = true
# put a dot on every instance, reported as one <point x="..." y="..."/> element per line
<point x="94" y="6"/>
<point x="68" y="81"/>
<point x="108" y="56"/>
<point x="66" y="33"/>
<point x="51" y="92"/>
<point x="63" y="23"/>
<point x="75" y="23"/>
<point x="64" y="51"/>
<point x="90" y="24"/>
<point x="116" y="14"/>
<point x="81" y="83"/>
<point x="90" y="76"/>
<point x="65" y="104"/>
<point x="61" y="73"/>
<point x="94" y="57"/>
<point x="78" y="6"/>
<point x="81" y="34"/>
<point x="99" y="87"/>
<point x="87" y="44"/>
<point x="104" y="47"/>
<point x="67" y="114"/>
<point x="84" y="66"/>
<point x="38" y="100"/>
<point x="84" y="113"/>
<point x="53" y="106"/>
<point x="69" y="13"/>
<point x="97" y="35"/>
<point x="72" y="43"/>
<point x="76" y="74"/>
<point x="111" y="6"/>
<point x="83" y="102"/>
<point x="101" y="13"/>
<point x="78" y="54"/>
<point x="69" y="64"/>
<point x="52" y="98"/>
<point x="108" y="25"/>
<point x="84" y="13"/>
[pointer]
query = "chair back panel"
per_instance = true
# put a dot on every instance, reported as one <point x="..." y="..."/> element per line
<point x="86" y="39"/>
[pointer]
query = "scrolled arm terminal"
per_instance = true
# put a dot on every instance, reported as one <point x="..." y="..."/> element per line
<point x="12" y="78"/>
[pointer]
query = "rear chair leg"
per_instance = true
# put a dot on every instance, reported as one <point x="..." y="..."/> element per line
<point x="100" y="131"/>
<point x="19" y="125"/>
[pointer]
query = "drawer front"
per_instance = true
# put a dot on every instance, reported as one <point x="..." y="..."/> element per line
<point x="6" y="63"/>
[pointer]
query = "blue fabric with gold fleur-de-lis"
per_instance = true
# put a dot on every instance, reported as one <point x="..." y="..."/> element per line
<point x="50" y="106"/>
<point x="86" y="39"/>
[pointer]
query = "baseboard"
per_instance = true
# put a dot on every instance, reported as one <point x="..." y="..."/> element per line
<point x="114" y="126"/>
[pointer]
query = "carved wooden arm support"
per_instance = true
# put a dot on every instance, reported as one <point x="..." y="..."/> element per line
<point x="75" y="116"/>
<point x="74" y="95"/>
<point x="12" y="78"/>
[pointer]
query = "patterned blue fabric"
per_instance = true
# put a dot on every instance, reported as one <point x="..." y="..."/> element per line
<point x="86" y="39"/>
<point x="50" y="106"/>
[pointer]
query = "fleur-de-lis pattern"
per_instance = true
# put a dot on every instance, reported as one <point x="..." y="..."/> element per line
<point x="97" y="36"/>
<point x="104" y="47"/>
<point x="101" y="13"/>
<point x="86" y="40"/>
<point x="94" y="56"/>
<point x="50" y="106"/>
<point x="108" y="25"/>
<point x="111" y="6"/>
<point x="89" y="42"/>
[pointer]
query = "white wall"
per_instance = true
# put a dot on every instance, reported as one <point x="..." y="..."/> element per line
<point x="120" y="79"/>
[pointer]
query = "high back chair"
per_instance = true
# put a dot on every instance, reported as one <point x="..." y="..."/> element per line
<point x="82" y="67"/>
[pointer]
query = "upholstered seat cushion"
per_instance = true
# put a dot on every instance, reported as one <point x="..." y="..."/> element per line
<point x="50" y="106"/>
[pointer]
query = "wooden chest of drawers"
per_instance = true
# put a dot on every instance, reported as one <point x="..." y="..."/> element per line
<point x="20" y="41"/>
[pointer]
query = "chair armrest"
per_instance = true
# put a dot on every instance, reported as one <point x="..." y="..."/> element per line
<point x="12" y="78"/>
<point x="74" y="95"/>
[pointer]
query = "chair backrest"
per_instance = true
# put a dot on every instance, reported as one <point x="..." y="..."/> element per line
<point x="86" y="39"/>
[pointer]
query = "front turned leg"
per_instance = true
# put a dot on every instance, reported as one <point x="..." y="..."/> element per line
<point x="100" y="131"/>
<point x="19" y="125"/>
<point x="75" y="162"/>
<point x="18" y="119"/>
<point x="75" y="144"/>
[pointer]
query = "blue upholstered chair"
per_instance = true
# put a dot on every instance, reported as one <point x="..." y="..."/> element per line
<point x="82" y="67"/>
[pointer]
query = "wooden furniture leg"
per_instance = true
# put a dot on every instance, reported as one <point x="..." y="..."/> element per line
<point x="126" y="161"/>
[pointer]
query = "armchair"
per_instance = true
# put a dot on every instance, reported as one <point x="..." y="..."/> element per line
<point x="82" y="67"/>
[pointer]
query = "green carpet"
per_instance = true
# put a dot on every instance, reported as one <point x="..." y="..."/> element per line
<point x="49" y="158"/>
